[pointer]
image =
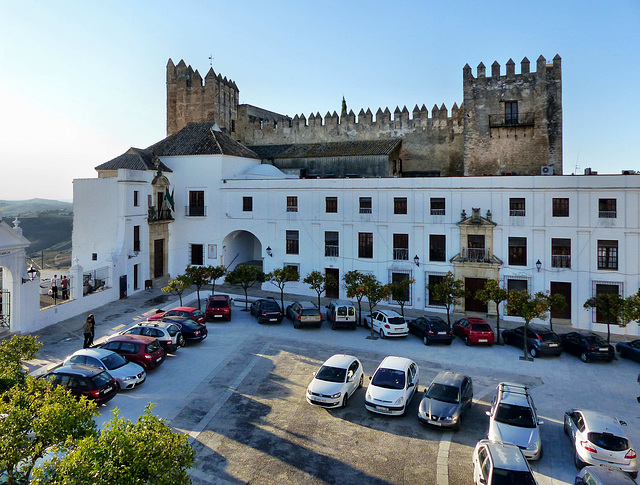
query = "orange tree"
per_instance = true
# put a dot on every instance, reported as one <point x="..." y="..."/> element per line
<point x="199" y="276"/>
<point x="556" y="302"/>
<point x="280" y="277"/>
<point x="399" y="291"/>
<point x="319" y="281"/>
<point x="447" y="292"/>
<point x="523" y="305"/>
<point x="375" y="293"/>
<point x="614" y="309"/>
<point x="492" y="291"/>
<point x="245" y="277"/>
<point x="353" y="285"/>
<point x="215" y="272"/>
<point x="177" y="286"/>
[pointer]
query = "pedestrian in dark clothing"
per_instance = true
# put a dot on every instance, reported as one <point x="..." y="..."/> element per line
<point x="89" y="329"/>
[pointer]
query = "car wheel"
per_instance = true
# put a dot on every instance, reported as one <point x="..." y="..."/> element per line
<point x="577" y="461"/>
<point x="566" y="428"/>
<point x="382" y="333"/>
<point x="449" y="342"/>
<point x="425" y="340"/>
<point x="345" y="401"/>
<point x="318" y="325"/>
<point x="333" y="326"/>
<point x="541" y="453"/>
<point x="584" y="357"/>
<point x="296" y="324"/>
<point x="533" y="352"/>
<point x="505" y="339"/>
<point x="181" y="341"/>
<point x="466" y="341"/>
<point x="361" y="381"/>
<point x="456" y="425"/>
<point x="633" y="475"/>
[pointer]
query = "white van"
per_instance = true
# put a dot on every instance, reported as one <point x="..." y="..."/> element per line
<point x="342" y="313"/>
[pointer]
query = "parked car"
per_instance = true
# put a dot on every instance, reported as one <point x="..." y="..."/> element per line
<point x="601" y="475"/>
<point x="474" y="331"/>
<point x="335" y="382"/>
<point x="304" y="313"/>
<point x="128" y="374"/>
<point x="181" y="311"/>
<point x="191" y="330"/>
<point x="540" y="341"/>
<point x="431" y="329"/>
<point x="392" y="386"/>
<point x="342" y="313"/>
<point x="267" y="311"/>
<point x="167" y="333"/>
<point x="513" y="419"/>
<point x="629" y="350"/>
<point x="388" y="323"/>
<point x="598" y="439"/>
<point x="85" y="380"/>
<point x="588" y="346"/>
<point x="218" y="307"/>
<point x="446" y="400"/>
<point x="143" y="350"/>
<point x="497" y="463"/>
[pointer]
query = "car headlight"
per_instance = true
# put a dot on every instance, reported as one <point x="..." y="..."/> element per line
<point x="447" y="418"/>
<point x="368" y="396"/>
<point x="399" y="401"/>
<point x="309" y="390"/>
<point x="130" y="378"/>
<point x="533" y="446"/>
<point x="336" y="395"/>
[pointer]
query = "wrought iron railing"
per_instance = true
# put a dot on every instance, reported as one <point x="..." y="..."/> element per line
<point x="475" y="255"/>
<point x="195" y="210"/>
<point x="561" y="261"/>
<point x="607" y="214"/>
<point x="437" y="212"/>
<point x="400" y="254"/>
<point x="331" y="251"/>
<point x="159" y="215"/>
<point x="517" y="212"/>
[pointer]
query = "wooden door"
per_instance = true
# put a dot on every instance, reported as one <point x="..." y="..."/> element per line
<point x="563" y="289"/>
<point x="471" y="304"/>
<point x="158" y="258"/>
<point x="333" y="291"/>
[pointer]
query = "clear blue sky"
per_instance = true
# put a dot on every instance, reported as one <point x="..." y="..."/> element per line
<point x="81" y="82"/>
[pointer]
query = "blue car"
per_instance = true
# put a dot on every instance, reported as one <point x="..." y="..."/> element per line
<point x="191" y="330"/>
<point x="630" y="350"/>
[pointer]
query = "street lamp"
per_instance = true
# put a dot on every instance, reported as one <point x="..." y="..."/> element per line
<point x="269" y="251"/>
<point x="538" y="265"/>
<point x="32" y="272"/>
<point x="416" y="260"/>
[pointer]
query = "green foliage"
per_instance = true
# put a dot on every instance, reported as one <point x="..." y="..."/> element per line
<point x="13" y="353"/>
<point x="399" y="291"/>
<point x="215" y="272"/>
<point x="280" y="277"/>
<point x="353" y="285"/>
<point x="374" y="291"/>
<point x="492" y="291"/>
<point x="36" y="417"/>
<point x="147" y="451"/>
<point x="177" y="286"/>
<point x="245" y="277"/>
<point x="523" y="305"/>
<point x="613" y="308"/>
<point x="448" y="291"/>
<point x="199" y="276"/>
<point x="319" y="281"/>
<point x="556" y="302"/>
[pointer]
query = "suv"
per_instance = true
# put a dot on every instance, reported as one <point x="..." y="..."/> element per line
<point x="513" y="419"/>
<point x="167" y="333"/>
<point x="500" y="463"/>
<point x="304" y="312"/>
<point x="342" y="312"/>
<point x="388" y="323"/>
<point x="85" y="380"/>
<point x="218" y="307"/>
<point x="540" y="340"/>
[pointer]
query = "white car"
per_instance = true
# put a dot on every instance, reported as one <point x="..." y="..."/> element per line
<point x="598" y="439"/>
<point x="128" y="374"/>
<point x="513" y="419"/>
<point x="392" y="386"/>
<point x="388" y="323"/>
<point x="500" y="463"/>
<point x="335" y="382"/>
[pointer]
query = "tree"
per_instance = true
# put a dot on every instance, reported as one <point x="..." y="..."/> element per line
<point x="493" y="292"/>
<point x="399" y="291"/>
<point x="448" y="292"/>
<point x="245" y="277"/>
<point x="177" y="286"/>
<point x="13" y="353"/>
<point x="613" y="308"/>
<point x="375" y="293"/>
<point x="353" y="285"/>
<point x="521" y="304"/>
<point x="319" y="281"/>
<point x="280" y="277"/>
<point x="35" y="416"/>
<point x="556" y="302"/>
<point x="199" y="276"/>
<point x="147" y="451"/>
<point x="215" y="272"/>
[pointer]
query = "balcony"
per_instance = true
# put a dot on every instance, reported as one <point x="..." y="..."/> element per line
<point x="292" y="208"/>
<point x="607" y="214"/>
<point x="400" y="254"/>
<point x="520" y="119"/>
<point x="195" y="211"/>
<point x="437" y="212"/>
<point x="517" y="213"/>
<point x="561" y="261"/>
<point x="475" y="255"/>
<point x="331" y="251"/>
<point x="365" y="210"/>
<point x="155" y="215"/>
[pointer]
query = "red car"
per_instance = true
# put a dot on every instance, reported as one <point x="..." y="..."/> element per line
<point x="182" y="311"/>
<point x="474" y="331"/>
<point x="218" y="307"/>
<point x="140" y="349"/>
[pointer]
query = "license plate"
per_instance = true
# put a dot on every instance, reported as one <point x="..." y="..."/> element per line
<point x="217" y="316"/>
<point x="482" y="340"/>
<point x="273" y="319"/>
<point x="321" y="399"/>
<point x="553" y="345"/>
<point x="435" y="423"/>
<point x="603" y="349"/>
<point x="108" y="389"/>
<point x="382" y="408"/>
<point x="442" y="333"/>
<point x="158" y="359"/>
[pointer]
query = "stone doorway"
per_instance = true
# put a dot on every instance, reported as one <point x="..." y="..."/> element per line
<point x="471" y="303"/>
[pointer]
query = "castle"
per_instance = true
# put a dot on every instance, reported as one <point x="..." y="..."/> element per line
<point x="507" y="124"/>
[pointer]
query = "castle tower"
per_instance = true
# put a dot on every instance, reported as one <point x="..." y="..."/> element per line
<point x="513" y="122"/>
<point x="190" y="98"/>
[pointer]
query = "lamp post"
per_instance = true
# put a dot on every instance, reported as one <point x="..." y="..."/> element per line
<point x="538" y="265"/>
<point x="32" y="272"/>
<point x="269" y="251"/>
<point x="416" y="260"/>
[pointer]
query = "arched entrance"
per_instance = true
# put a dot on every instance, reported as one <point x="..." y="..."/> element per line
<point x="241" y="247"/>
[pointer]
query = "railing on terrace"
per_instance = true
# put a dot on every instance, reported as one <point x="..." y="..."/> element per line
<point x="475" y="255"/>
<point x="561" y="261"/>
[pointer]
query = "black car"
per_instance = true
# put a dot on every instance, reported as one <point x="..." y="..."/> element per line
<point x="540" y="340"/>
<point x="85" y="380"/>
<point x="267" y="311"/>
<point x="431" y="330"/>
<point x="588" y="346"/>
<point x="629" y="350"/>
<point x="191" y="330"/>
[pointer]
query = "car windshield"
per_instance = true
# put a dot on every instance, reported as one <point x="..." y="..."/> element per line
<point x="548" y="337"/>
<point x="101" y="380"/>
<point x="197" y="313"/>
<point x="608" y="441"/>
<point x="270" y="306"/>
<point x="438" y="325"/>
<point x="331" y="374"/>
<point x="595" y="340"/>
<point x="153" y="346"/>
<point x="113" y="361"/>
<point x="193" y="325"/>
<point x="480" y="327"/>
<point x="310" y="311"/>
<point x="218" y="304"/>
<point x="515" y="415"/>
<point x="173" y="330"/>
<point x="388" y="379"/>
<point x="512" y="477"/>
<point x="442" y="392"/>
<point x="342" y="311"/>
<point x="396" y="320"/>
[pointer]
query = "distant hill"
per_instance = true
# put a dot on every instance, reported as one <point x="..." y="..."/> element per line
<point x="12" y="208"/>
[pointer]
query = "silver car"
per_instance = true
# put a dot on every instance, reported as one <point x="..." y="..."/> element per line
<point x="128" y="374"/>
<point x="598" y="439"/>
<point x="446" y="399"/>
<point x="601" y="475"/>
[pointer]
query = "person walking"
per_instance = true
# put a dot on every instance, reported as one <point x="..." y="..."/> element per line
<point x="64" y="284"/>
<point x="89" y="329"/>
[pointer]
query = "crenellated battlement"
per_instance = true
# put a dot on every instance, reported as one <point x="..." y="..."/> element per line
<point x="552" y="70"/>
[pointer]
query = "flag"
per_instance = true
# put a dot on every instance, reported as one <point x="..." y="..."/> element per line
<point x="169" y="199"/>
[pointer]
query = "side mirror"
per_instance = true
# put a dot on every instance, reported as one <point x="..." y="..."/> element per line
<point x="411" y="384"/>
<point x="488" y="413"/>
<point x="314" y="374"/>
<point x="350" y="379"/>
<point x="623" y="423"/>
<point x="482" y="481"/>
<point x="540" y="421"/>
